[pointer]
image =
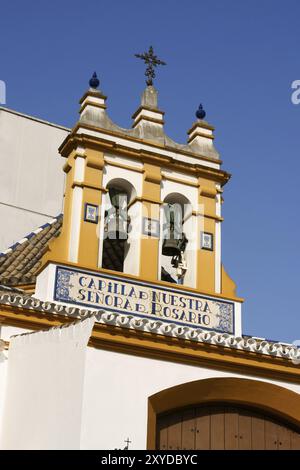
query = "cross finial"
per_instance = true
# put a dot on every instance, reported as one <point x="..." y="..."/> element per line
<point x="127" y="442"/>
<point x="151" y="61"/>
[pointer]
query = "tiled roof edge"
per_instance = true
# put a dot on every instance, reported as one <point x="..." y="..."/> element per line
<point x="30" y="235"/>
<point x="198" y="335"/>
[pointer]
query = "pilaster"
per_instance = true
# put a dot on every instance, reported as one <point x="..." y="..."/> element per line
<point x="149" y="254"/>
<point x="207" y="217"/>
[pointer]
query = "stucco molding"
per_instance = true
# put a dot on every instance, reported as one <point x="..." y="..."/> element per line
<point x="157" y="327"/>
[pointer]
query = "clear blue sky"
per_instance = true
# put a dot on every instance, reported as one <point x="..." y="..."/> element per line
<point x="236" y="57"/>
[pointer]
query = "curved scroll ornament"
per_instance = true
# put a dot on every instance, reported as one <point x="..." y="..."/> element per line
<point x="225" y="317"/>
<point x="63" y="285"/>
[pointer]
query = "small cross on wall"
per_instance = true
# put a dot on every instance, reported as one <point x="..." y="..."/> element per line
<point x="127" y="442"/>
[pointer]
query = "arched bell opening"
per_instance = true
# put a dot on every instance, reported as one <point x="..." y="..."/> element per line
<point x="117" y="224"/>
<point x="176" y="214"/>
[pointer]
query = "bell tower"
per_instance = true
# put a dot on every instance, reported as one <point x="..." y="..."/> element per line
<point x="142" y="219"/>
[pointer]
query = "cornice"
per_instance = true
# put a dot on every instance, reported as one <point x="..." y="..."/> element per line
<point x="96" y="94"/>
<point x="98" y="143"/>
<point x="147" y="108"/>
<point x="147" y="118"/>
<point x="159" y="339"/>
<point x="90" y="103"/>
<point x="134" y="139"/>
<point x="198" y="125"/>
<point x="200" y="134"/>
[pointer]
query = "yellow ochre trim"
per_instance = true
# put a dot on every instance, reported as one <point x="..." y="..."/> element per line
<point x="149" y="247"/>
<point x="269" y="398"/>
<point x="207" y="191"/>
<point x="144" y="199"/>
<point x="198" y="170"/>
<point x="80" y="184"/>
<point x="144" y="344"/>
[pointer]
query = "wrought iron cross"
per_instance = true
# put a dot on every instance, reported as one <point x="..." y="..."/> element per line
<point x="127" y="441"/>
<point x="151" y="61"/>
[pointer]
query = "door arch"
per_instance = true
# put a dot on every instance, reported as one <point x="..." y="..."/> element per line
<point x="278" y="404"/>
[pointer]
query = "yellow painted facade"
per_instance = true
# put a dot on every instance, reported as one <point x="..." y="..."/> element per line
<point x="209" y="179"/>
<point x="170" y="332"/>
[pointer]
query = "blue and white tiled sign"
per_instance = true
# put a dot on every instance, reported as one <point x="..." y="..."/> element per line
<point x="123" y="295"/>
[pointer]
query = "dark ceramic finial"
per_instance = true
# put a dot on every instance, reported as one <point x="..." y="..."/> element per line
<point x="94" y="81"/>
<point x="200" y="113"/>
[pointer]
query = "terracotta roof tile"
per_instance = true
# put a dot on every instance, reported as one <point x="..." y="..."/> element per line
<point x="19" y="264"/>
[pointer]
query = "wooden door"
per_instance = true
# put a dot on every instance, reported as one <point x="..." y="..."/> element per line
<point x="222" y="426"/>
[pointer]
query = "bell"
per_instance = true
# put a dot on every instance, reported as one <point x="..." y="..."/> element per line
<point x="171" y="247"/>
<point x="171" y="244"/>
<point x="116" y="220"/>
<point x="115" y="226"/>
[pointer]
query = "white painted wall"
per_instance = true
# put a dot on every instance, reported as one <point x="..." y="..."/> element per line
<point x="44" y="388"/>
<point x="3" y="376"/>
<point x="116" y="391"/>
<point x="45" y="281"/>
<point x="5" y="333"/>
<point x="31" y="176"/>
